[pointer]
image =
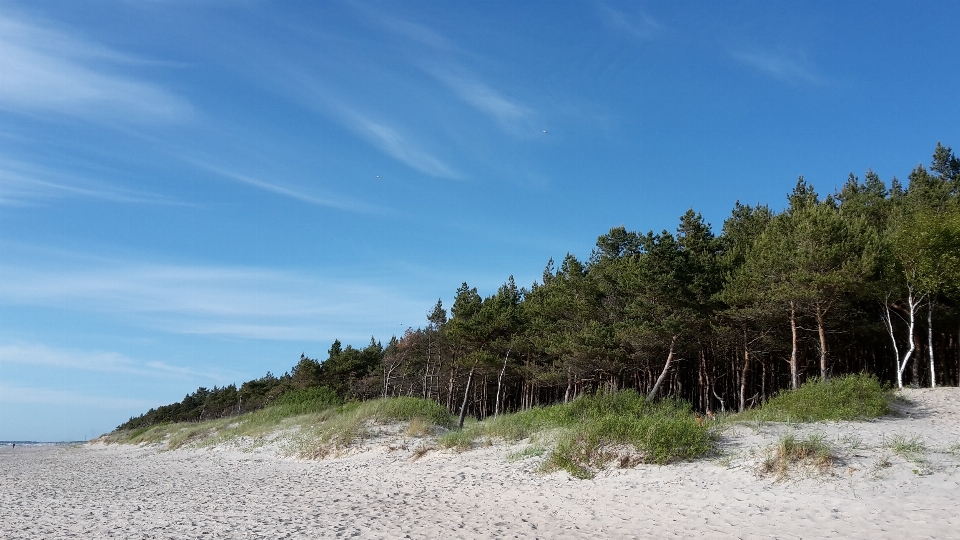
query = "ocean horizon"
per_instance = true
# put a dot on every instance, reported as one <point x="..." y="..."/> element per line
<point x="39" y="443"/>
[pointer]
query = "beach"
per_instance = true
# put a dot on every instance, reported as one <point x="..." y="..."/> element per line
<point x="898" y="476"/>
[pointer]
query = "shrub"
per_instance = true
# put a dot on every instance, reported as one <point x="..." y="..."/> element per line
<point x="306" y="401"/>
<point x="595" y="429"/>
<point x="850" y="397"/>
<point x="623" y="427"/>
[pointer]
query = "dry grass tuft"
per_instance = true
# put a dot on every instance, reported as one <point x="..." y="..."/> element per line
<point x="421" y="427"/>
<point x="421" y="451"/>
<point x="791" y="453"/>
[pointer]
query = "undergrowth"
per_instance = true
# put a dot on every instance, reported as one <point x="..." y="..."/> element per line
<point x="593" y="431"/>
<point x="579" y="437"/>
<point x="849" y="397"/>
<point x="293" y="408"/>
<point x="354" y="421"/>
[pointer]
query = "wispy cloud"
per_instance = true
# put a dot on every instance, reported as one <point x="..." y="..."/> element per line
<point x="395" y="144"/>
<point x="331" y="202"/>
<point x="38" y="354"/>
<point x="51" y="396"/>
<point x="417" y="33"/>
<point x="306" y="89"/>
<point x="215" y="300"/>
<point x="24" y="184"/>
<point x="48" y="70"/>
<point x="509" y="113"/>
<point x="784" y="66"/>
<point x="637" y="24"/>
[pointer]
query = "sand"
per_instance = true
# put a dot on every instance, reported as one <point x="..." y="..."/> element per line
<point x="100" y="491"/>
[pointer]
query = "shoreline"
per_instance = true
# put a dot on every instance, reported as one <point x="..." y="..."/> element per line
<point x="96" y="490"/>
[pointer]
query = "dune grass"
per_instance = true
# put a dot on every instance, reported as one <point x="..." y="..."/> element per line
<point x="910" y="448"/>
<point x="353" y="422"/>
<point x="849" y="397"/>
<point x="790" y="453"/>
<point x="324" y="423"/>
<point x="593" y="431"/>
<point x="301" y="407"/>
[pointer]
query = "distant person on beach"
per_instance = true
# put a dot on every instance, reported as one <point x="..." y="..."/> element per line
<point x="14" y="445"/>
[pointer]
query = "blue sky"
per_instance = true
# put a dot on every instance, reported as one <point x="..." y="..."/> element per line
<point x="194" y="193"/>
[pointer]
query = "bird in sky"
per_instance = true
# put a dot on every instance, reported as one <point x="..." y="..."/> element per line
<point x="378" y="177"/>
<point x="544" y="131"/>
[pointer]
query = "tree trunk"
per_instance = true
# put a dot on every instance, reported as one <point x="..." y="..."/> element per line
<point x="496" y="407"/>
<point x="763" y="382"/>
<point x="466" y="396"/>
<point x="823" y="343"/>
<point x="893" y="340"/>
<point x="663" y="374"/>
<point x="723" y="407"/>
<point x="453" y="374"/>
<point x="743" y="374"/>
<point x="933" y="374"/>
<point x="912" y="309"/>
<point x="794" y="378"/>
<point x="426" y="371"/>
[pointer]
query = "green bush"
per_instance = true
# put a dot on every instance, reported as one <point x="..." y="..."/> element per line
<point x="626" y="428"/>
<point x="850" y="397"/>
<point x="306" y="401"/>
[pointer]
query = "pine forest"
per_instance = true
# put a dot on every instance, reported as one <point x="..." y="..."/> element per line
<point x="864" y="280"/>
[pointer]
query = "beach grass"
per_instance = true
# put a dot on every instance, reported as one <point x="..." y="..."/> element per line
<point x="321" y="418"/>
<point x="293" y="408"/>
<point x="849" y="397"/>
<point x="904" y="446"/>
<point x="595" y="430"/>
<point x="791" y="452"/>
<point x="354" y="422"/>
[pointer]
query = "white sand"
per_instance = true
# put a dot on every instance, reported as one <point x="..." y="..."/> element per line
<point x="97" y="491"/>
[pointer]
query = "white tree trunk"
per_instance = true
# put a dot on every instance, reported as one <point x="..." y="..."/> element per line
<point x="663" y="374"/>
<point x="893" y="340"/>
<point x="912" y="304"/>
<point x="794" y="377"/>
<point x="933" y="374"/>
<point x="496" y="406"/>
<point x="466" y="395"/>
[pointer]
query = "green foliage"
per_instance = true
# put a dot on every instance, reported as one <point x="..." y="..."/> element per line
<point x="800" y="285"/>
<point x="306" y="401"/>
<point x="403" y="409"/>
<point x="594" y="430"/>
<point x="850" y="397"/>
<point x="627" y="429"/>
<point x="925" y="243"/>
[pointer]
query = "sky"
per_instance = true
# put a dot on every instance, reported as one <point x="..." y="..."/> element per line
<point x="195" y="193"/>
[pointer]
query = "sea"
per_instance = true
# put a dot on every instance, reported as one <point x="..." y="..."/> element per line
<point x="39" y="443"/>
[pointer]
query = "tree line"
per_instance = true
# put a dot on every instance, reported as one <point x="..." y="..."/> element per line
<point x="866" y="279"/>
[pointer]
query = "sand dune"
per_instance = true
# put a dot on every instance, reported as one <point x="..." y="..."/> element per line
<point x="99" y="491"/>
